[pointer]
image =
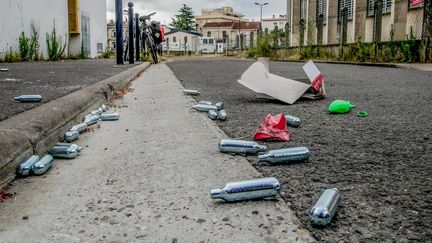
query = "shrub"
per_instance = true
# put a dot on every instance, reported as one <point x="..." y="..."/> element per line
<point x="29" y="46"/>
<point x="12" y="56"/>
<point x="55" y="46"/>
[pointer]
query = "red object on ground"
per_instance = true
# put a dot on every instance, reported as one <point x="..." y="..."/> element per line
<point x="273" y="127"/>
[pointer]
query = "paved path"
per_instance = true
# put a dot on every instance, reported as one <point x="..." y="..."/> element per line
<point x="146" y="178"/>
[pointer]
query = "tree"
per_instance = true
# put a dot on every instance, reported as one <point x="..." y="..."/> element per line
<point x="184" y="20"/>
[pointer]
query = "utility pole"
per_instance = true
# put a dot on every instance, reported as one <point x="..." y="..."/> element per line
<point x="119" y="31"/>
<point x="288" y="23"/>
<point x="137" y="38"/>
<point x="261" y="6"/>
<point x="131" y="33"/>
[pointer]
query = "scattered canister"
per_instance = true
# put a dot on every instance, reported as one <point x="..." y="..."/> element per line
<point x="323" y="211"/>
<point x="109" y="116"/>
<point x="24" y="168"/>
<point x="43" y="165"/>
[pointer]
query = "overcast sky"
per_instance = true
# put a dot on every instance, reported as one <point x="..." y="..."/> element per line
<point x="166" y="9"/>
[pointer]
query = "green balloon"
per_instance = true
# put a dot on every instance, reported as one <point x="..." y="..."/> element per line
<point x="340" y="106"/>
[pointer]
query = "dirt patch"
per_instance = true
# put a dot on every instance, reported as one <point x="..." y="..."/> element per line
<point x="382" y="164"/>
<point x="4" y="195"/>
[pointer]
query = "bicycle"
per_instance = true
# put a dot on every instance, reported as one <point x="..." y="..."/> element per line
<point x="147" y="37"/>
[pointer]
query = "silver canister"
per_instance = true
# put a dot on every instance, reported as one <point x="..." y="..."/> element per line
<point x="24" y="168"/>
<point x="322" y="213"/>
<point x="109" y="116"/>
<point x="29" y="98"/>
<point x="205" y="102"/>
<point x="240" y="147"/>
<point x="43" y="165"/>
<point x="79" y="128"/>
<point x="71" y="136"/>
<point x="219" y="105"/>
<point x="247" y="190"/>
<point x="204" y="108"/>
<point x="212" y="114"/>
<point x="285" y="155"/>
<point x="104" y="107"/>
<point x="90" y="120"/>
<point x="191" y="92"/>
<point x="96" y="112"/>
<point x="64" y="150"/>
<point x="292" y="121"/>
<point x="222" y="115"/>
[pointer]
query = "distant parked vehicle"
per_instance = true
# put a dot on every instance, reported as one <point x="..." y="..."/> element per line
<point x="206" y="45"/>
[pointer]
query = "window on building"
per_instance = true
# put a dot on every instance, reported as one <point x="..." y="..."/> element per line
<point x="205" y="41"/>
<point x="185" y="39"/>
<point x="386" y="7"/>
<point x="387" y="4"/>
<point x="348" y="4"/>
<point x="174" y="39"/>
<point x="113" y="34"/>
<point x="208" y="33"/>
<point x="303" y="9"/>
<point x="415" y="4"/>
<point x="370" y="7"/>
<point x="113" y="45"/>
<point x="224" y="34"/>
<point x="322" y="9"/>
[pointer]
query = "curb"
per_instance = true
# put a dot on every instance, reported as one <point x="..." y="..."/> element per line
<point x="34" y="131"/>
<point x="389" y="65"/>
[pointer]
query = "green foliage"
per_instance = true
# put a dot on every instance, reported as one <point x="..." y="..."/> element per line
<point x="263" y="47"/>
<point x="146" y="57"/>
<point x="107" y="54"/>
<point x="12" y="56"/>
<point x="410" y="48"/>
<point x="55" y="45"/>
<point x="29" y="46"/>
<point x="359" y="52"/>
<point x="184" y="20"/>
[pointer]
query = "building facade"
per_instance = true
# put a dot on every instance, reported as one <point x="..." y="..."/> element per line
<point x="223" y="14"/>
<point x="77" y="22"/>
<point x="271" y="23"/>
<point x="111" y="34"/>
<point x="320" y="21"/>
<point x="239" y="34"/>
<point x="181" y="40"/>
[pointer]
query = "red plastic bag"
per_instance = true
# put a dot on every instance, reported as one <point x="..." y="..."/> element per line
<point x="273" y="128"/>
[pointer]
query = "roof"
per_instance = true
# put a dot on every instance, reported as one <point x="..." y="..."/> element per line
<point x="218" y="24"/>
<point x="246" y="25"/>
<point x="233" y="25"/>
<point x="184" y="31"/>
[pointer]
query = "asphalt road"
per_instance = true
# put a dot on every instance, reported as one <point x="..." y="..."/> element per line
<point x="382" y="164"/>
<point x="52" y="80"/>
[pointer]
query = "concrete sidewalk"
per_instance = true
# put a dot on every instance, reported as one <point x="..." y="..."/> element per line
<point x="146" y="178"/>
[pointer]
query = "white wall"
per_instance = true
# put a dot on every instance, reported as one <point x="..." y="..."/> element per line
<point x="270" y="24"/>
<point x="17" y="15"/>
<point x="191" y="44"/>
